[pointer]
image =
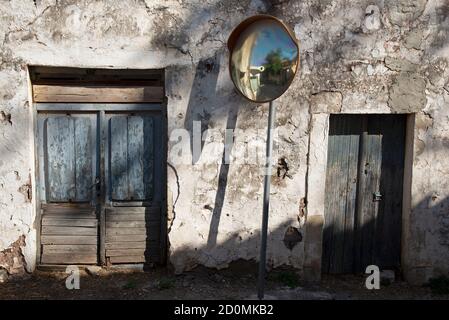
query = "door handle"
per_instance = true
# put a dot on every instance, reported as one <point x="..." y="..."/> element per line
<point x="377" y="196"/>
<point x="98" y="186"/>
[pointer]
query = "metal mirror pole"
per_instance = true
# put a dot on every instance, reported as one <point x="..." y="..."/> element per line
<point x="266" y="202"/>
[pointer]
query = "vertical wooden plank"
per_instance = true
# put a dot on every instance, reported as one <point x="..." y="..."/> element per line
<point x="336" y="193"/>
<point x="364" y="204"/>
<point x="341" y="188"/>
<point x="60" y="157"/>
<point x="371" y="185"/>
<point x="148" y="140"/>
<point x="358" y="216"/>
<point x="83" y="158"/>
<point x="353" y="158"/>
<point x="135" y="160"/>
<point x="332" y="189"/>
<point x="118" y="157"/>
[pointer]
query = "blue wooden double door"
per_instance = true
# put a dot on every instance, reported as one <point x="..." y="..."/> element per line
<point x="101" y="186"/>
<point x="364" y="184"/>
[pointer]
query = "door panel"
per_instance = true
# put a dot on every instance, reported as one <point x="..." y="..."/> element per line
<point x="133" y="208"/>
<point x="61" y="160"/>
<point x="69" y="158"/>
<point x="131" y="148"/>
<point x="83" y="157"/>
<point x="69" y="226"/>
<point x="365" y="159"/>
<point x="119" y="162"/>
<point x="351" y="182"/>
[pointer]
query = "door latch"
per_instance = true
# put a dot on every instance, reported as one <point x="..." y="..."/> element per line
<point x="97" y="183"/>
<point x="377" y="196"/>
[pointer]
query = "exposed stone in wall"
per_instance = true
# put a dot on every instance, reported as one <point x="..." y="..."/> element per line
<point x="398" y="64"/>
<point x="407" y="94"/>
<point x="12" y="259"/>
<point x="402" y="12"/>
<point x="414" y="39"/>
<point x="326" y="102"/>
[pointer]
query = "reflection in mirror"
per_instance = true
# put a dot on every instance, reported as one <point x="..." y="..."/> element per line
<point x="264" y="60"/>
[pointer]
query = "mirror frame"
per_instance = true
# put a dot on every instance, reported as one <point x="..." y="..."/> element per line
<point x="235" y="34"/>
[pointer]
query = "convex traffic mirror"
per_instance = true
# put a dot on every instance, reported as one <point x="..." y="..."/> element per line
<point x="264" y="58"/>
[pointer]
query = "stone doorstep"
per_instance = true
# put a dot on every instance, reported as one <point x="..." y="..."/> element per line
<point x="388" y="275"/>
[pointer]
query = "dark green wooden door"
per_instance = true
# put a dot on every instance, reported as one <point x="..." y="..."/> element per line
<point x="363" y="192"/>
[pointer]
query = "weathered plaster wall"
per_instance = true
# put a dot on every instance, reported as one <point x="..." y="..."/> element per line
<point x="385" y="57"/>
<point x="356" y="56"/>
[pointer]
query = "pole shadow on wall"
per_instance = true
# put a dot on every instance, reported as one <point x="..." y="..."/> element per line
<point x="207" y="73"/>
<point x="222" y="180"/>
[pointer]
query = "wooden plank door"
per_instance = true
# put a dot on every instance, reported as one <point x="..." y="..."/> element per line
<point x="134" y="194"/>
<point x="363" y="192"/>
<point x="67" y="188"/>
